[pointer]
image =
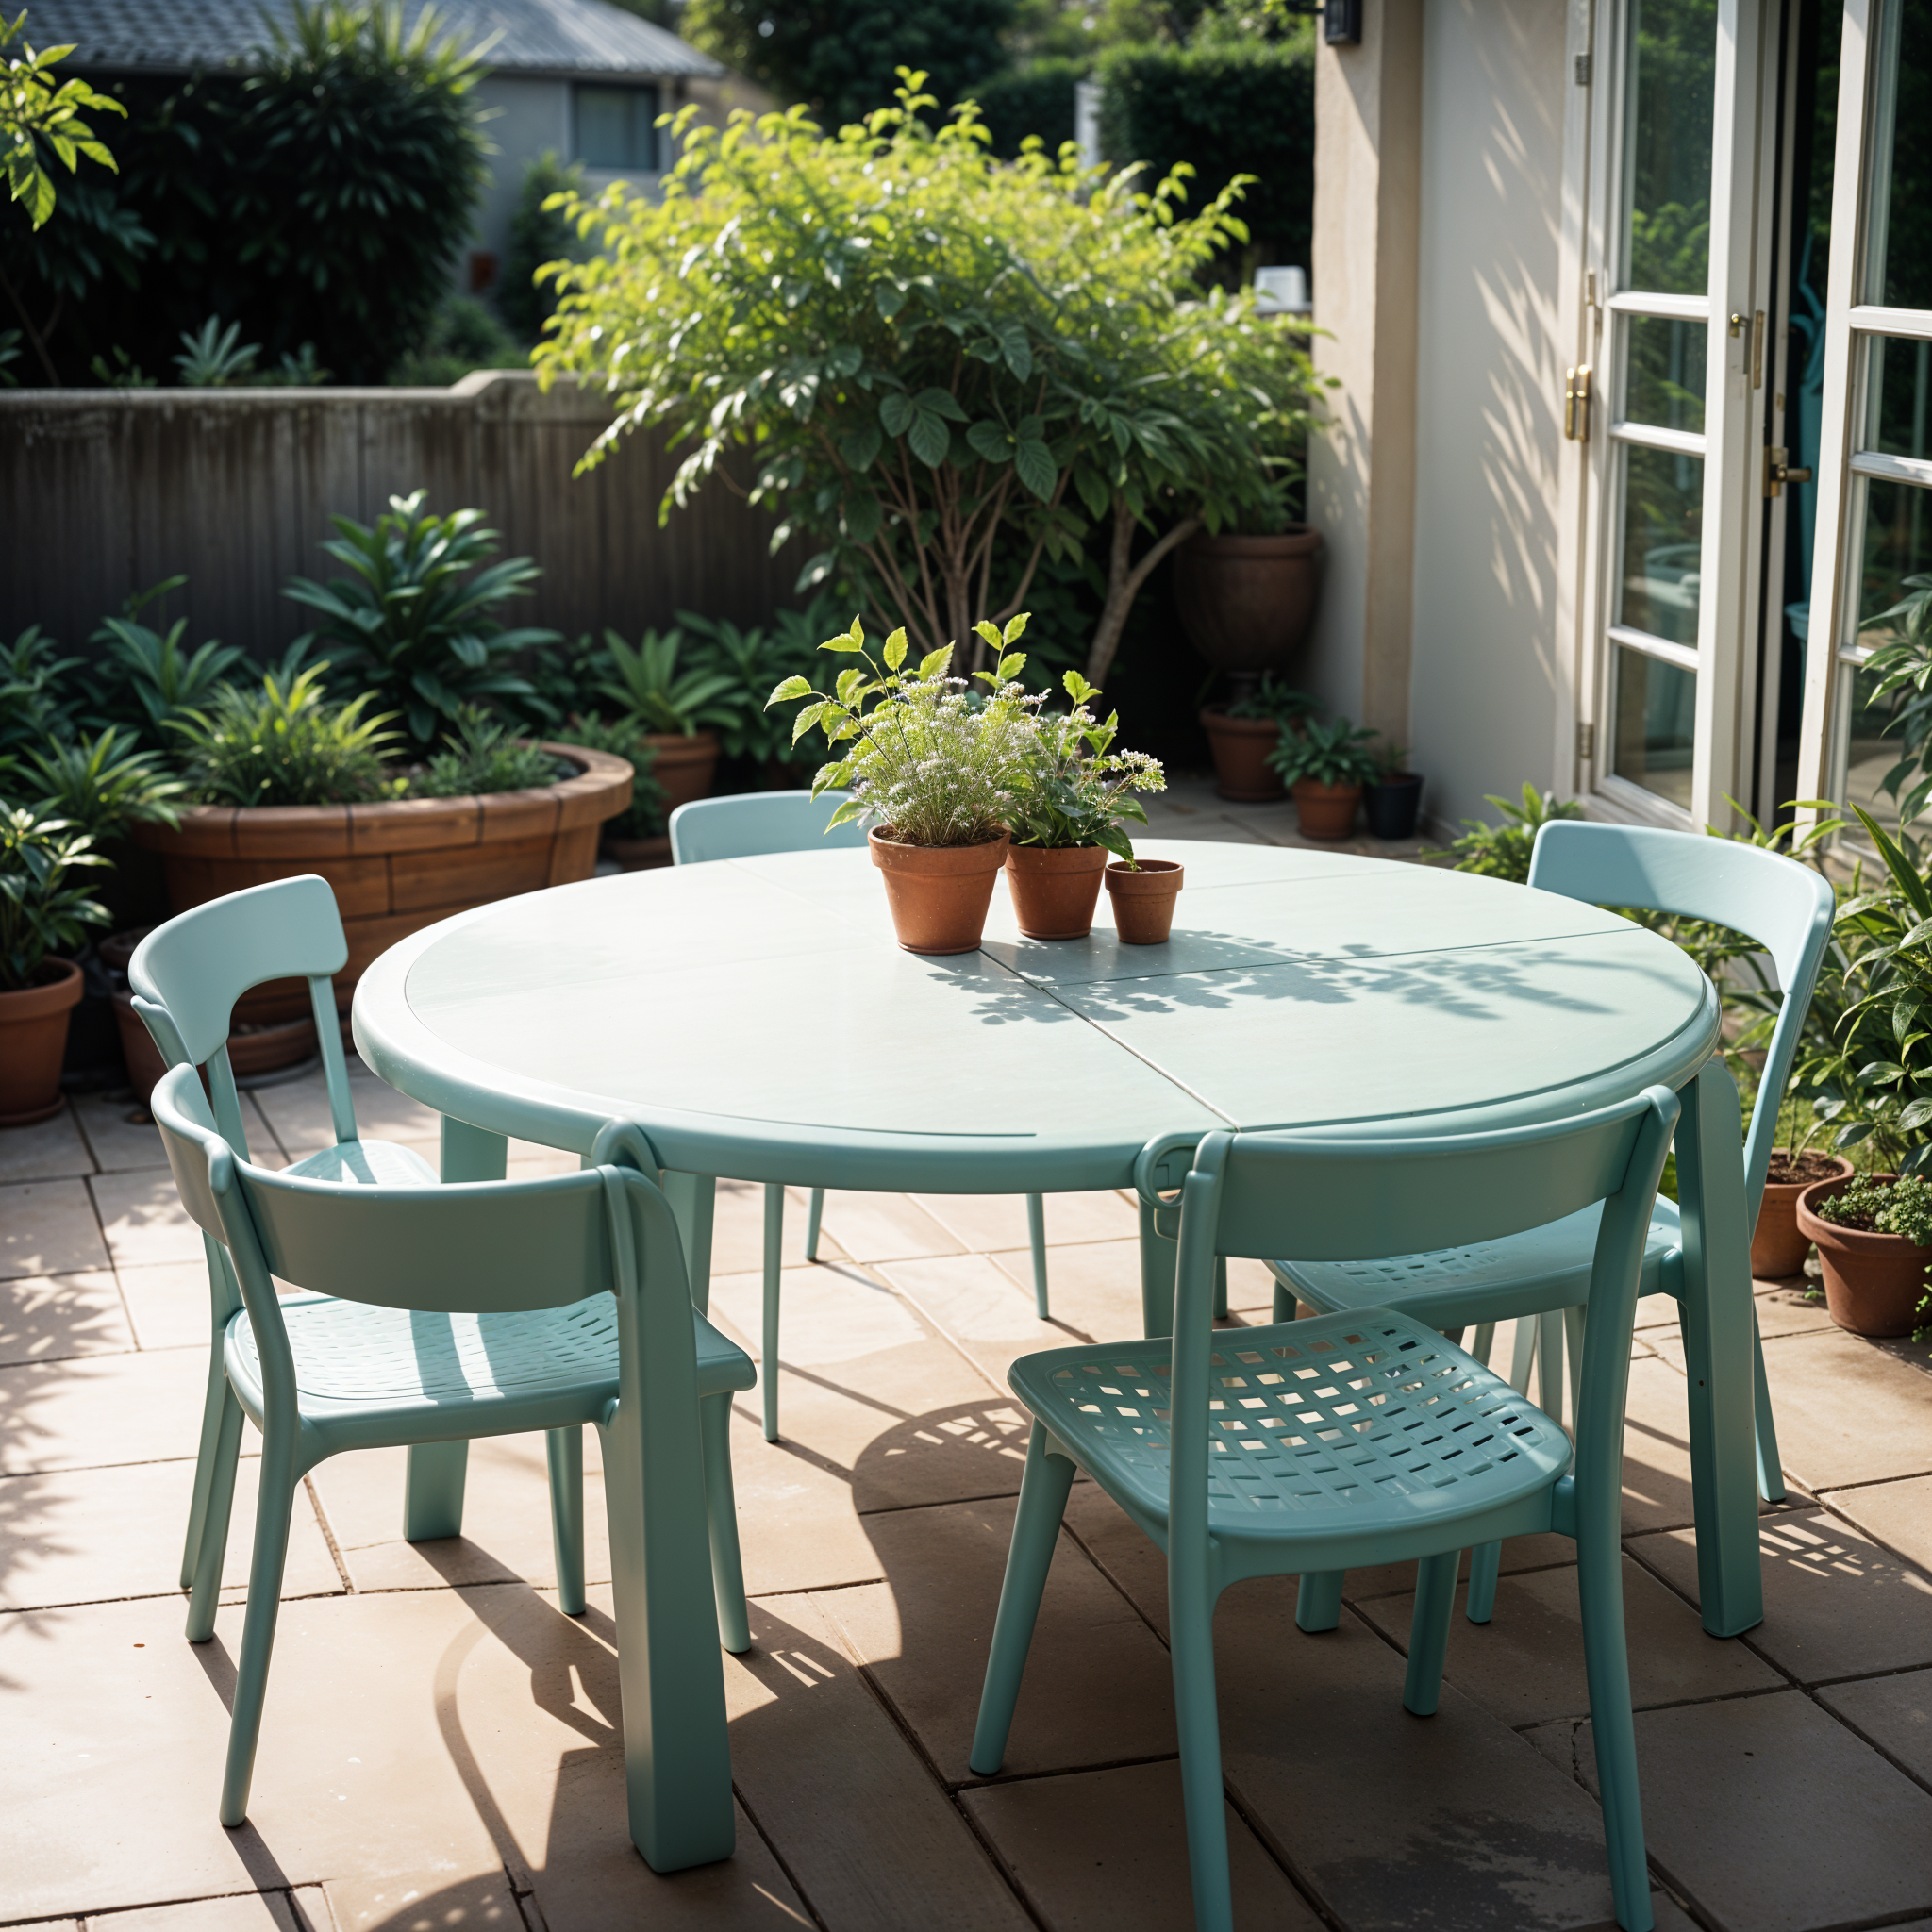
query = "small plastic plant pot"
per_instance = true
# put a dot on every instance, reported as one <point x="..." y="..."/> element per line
<point x="1144" y="900"/>
<point x="1325" y="811"/>
<point x="1055" y="889"/>
<point x="1873" y="1282"/>
<point x="1777" y="1247"/>
<point x="33" y="1039"/>
<point x="1392" y="805"/>
<point x="938" y="894"/>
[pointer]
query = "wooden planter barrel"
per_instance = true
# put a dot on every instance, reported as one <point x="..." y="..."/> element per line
<point x="397" y="866"/>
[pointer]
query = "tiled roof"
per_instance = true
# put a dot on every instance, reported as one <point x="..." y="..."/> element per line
<point x="534" y="36"/>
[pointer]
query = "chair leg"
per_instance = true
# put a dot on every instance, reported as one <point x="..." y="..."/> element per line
<point x="1191" y="1619"/>
<point x="1484" y="1340"/>
<point x="721" y="1520"/>
<point x="1284" y="1302"/>
<point x="433" y="1491"/>
<point x="203" y="1458"/>
<point x="564" y="1450"/>
<point x="1485" y="1565"/>
<point x="1521" y="1353"/>
<point x="1221" y="1287"/>
<point x="212" y="1547"/>
<point x="272" y="1512"/>
<point x="1573" y="1350"/>
<point x="1036" y="1528"/>
<point x="1771" y="1475"/>
<point x="813" y="1215"/>
<point x="1549" y="1364"/>
<point x="1318" y="1600"/>
<point x="1036" y="1235"/>
<point x="1607" y="1666"/>
<point x="1428" y="1631"/>
<point x="774" y="1252"/>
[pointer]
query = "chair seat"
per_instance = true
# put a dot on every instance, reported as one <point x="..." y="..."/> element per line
<point x="1323" y="1429"/>
<point x="354" y="1362"/>
<point x="367" y="1163"/>
<point x="1491" y="1281"/>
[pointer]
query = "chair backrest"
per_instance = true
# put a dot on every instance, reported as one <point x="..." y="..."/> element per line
<point x="1785" y="906"/>
<point x="1331" y="1200"/>
<point x="748" y="822"/>
<point x="187" y="976"/>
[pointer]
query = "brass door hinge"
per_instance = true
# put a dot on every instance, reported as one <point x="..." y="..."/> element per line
<point x="1777" y="472"/>
<point x="1585" y="741"/>
<point x="1576" y="403"/>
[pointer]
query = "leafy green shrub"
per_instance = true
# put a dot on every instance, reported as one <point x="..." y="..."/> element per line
<point x="284" y="743"/>
<point x="464" y="335"/>
<point x="483" y="757"/>
<point x="1036" y="99"/>
<point x="645" y="683"/>
<point x="537" y="234"/>
<point x="103" y="785"/>
<point x="754" y="660"/>
<point x="40" y="910"/>
<point x="216" y="357"/>
<point x="1902" y="1206"/>
<point x="1335" y="752"/>
<point x="1271" y="698"/>
<point x="409" y="626"/>
<point x="1502" y="852"/>
<point x="624" y="738"/>
<point x="147" y="677"/>
<point x="37" y="699"/>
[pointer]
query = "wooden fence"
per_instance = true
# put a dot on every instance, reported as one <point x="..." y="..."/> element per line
<point x="103" y="493"/>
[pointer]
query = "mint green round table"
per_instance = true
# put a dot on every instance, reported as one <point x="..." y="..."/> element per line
<point x="756" y="1019"/>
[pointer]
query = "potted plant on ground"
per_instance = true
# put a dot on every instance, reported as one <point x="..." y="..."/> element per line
<point x="1875" y="1241"/>
<point x="1071" y="815"/>
<point x="636" y="837"/>
<point x="1393" y="799"/>
<point x="675" y="707"/>
<point x="40" y="909"/>
<point x="938" y="768"/>
<point x="1242" y="734"/>
<point x="1324" y="767"/>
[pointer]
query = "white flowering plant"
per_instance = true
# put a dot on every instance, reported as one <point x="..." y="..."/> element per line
<point x="1079" y="790"/>
<point x="927" y="759"/>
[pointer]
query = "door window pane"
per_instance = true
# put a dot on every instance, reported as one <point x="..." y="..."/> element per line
<point x="1898" y="544"/>
<point x="1870" y="752"/>
<point x="1898" y="254"/>
<point x="1657" y="705"/>
<point x="1662" y="542"/>
<point x="1898" y="398"/>
<point x="1670" y="90"/>
<point x="1664" y="383"/>
<point x="616" y="127"/>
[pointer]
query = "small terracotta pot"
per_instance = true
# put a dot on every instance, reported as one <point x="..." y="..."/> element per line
<point x="939" y="893"/>
<point x="1055" y="889"/>
<point x="1144" y="900"/>
<point x="641" y="854"/>
<point x="1873" y="1282"/>
<point x="682" y="766"/>
<point x="1325" y="811"/>
<point x="1777" y="1249"/>
<point x="1242" y="747"/>
<point x="33" y="1038"/>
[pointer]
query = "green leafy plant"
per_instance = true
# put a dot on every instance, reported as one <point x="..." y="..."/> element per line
<point x="1902" y="670"/>
<point x="149" y="677"/>
<point x="216" y="357"/>
<point x="1271" y="698"/>
<point x="624" y="738"/>
<point x="123" y="372"/>
<point x="1391" y="761"/>
<point x="297" y="370"/>
<point x="540" y="231"/>
<point x="464" y="335"/>
<point x="930" y="762"/>
<point x="755" y="660"/>
<point x="483" y="757"/>
<point x="39" y="116"/>
<point x="40" y="909"/>
<point x="1502" y="851"/>
<point x="1901" y="1206"/>
<point x="38" y="699"/>
<point x="647" y="683"/>
<point x="409" y="623"/>
<point x="285" y="743"/>
<point x="103" y="785"/>
<point x="1335" y="752"/>
<point x="1078" y="790"/>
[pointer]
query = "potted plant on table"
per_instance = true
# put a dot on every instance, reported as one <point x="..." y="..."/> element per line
<point x="1243" y="732"/>
<point x="1325" y="767"/>
<point x="1071" y="815"/>
<point x="938" y="768"/>
<point x="1392" y="800"/>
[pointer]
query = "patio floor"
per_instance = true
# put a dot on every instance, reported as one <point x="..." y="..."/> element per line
<point x="440" y="1746"/>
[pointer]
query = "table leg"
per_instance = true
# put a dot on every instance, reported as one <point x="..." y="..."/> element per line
<point x="433" y="1489"/>
<point x="1720" y="1338"/>
<point x="693" y="1198"/>
<point x="1158" y="1258"/>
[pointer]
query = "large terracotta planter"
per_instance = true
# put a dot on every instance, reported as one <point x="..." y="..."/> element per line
<point x="938" y="894"/>
<point x="1241" y="748"/>
<point x="397" y="866"/>
<point x="1246" y="602"/>
<point x="639" y="855"/>
<point x="1143" y="897"/>
<point x="1325" y="811"/>
<point x="1055" y="889"/>
<point x="1873" y="1282"/>
<point x="33" y="1038"/>
<point x="683" y="766"/>
<point x="1777" y="1247"/>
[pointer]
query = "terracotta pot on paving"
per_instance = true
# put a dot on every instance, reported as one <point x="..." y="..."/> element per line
<point x="1873" y="1282"/>
<point x="33" y="1038"/>
<point x="1055" y="889"/>
<point x="1777" y="1249"/>
<point x="1325" y="811"/>
<point x="1242" y="747"/>
<point x="1144" y="900"/>
<point x="682" y="766"/>
<point x="1246" y="602"/>
<point x="938" y="894"/>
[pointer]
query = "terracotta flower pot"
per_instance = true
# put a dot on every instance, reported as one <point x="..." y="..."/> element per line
<point x="252" y="1049"/>
<point x="1055" y="889"/>
<point x="1777" y="1249"/>
<point x="682" y="766"/>
<point x="1392" y="805"/>
<point x="33" y="1036"/>
<point x="1242" y="747"/>
<point x="641" y="854"/>
<point x="1325" y="811"/>
<point x="938" y="894"/>
<point x="1144" y="900"/>
<point x="1246" y="602"/>
<point x="1873" y="1282"/>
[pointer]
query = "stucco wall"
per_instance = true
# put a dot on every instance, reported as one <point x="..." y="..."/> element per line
<point x="1485" y="659"/>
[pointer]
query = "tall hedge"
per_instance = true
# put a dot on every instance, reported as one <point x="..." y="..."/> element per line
<point x="1230" y="108"/>
<point x="1035" y="100"/>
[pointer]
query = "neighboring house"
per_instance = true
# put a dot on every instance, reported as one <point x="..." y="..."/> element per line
<point x="580" y="79"/>
<point x="1631" y="307"/>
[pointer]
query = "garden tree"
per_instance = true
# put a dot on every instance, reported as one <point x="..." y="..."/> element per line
<point x="926" y="350"/>
<point x="839" y="56"/>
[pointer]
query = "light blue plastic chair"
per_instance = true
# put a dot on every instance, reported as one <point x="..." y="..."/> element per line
<point x="1312" y="1446"/>
<point x="186" y="977"/>
<point x="448" y="1313"/>
<point x="1788" y="908"/>
<point x="742" y="827"/>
